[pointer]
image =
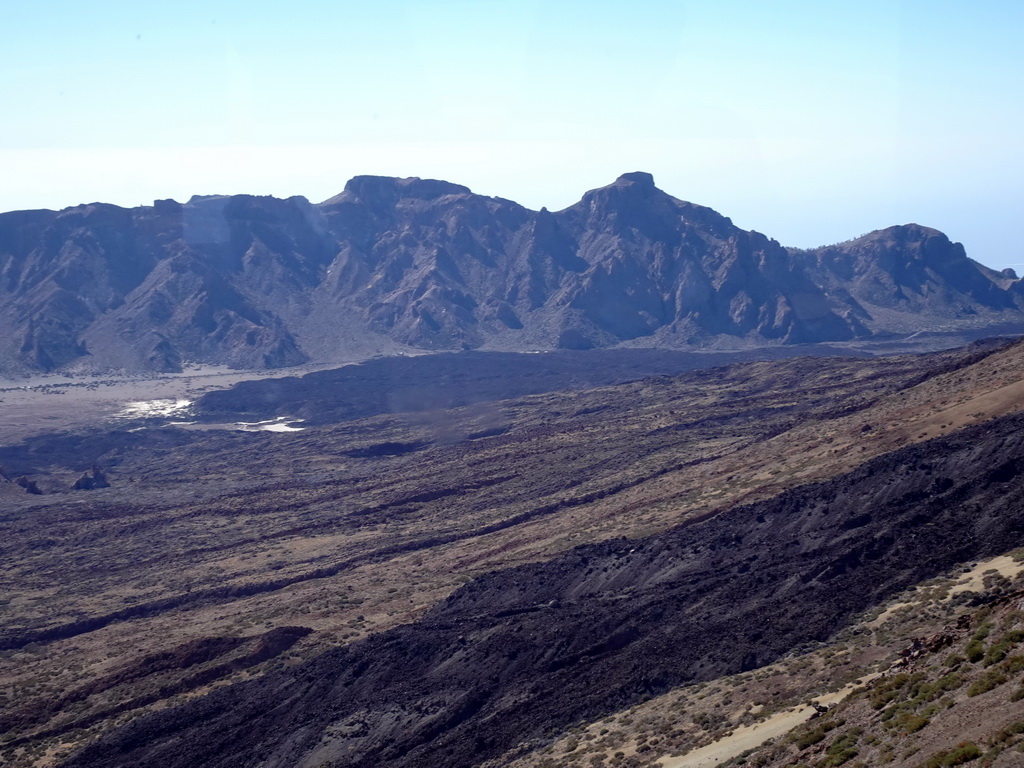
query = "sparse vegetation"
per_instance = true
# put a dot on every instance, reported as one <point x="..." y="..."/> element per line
<point x="963" y="753"/>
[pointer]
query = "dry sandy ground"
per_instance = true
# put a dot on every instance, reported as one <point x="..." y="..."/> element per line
<point x="43" y="404"/>
<point x="751" y="736"/>
<point x="971" y="580"/>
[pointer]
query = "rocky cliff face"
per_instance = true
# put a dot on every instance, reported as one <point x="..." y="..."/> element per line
<point x="412" y="263"/>
<point x="910" y="271"/>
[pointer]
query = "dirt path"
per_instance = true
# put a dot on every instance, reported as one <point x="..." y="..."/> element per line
<point x="751" y="736"/>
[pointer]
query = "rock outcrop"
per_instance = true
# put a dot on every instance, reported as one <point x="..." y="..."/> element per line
<point x="29" y="485"/>
<point x="91" y="480"/>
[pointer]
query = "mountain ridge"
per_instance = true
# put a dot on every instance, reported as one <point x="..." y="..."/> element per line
<point x="391" y="265"/>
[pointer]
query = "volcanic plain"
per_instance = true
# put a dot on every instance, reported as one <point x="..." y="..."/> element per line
<point x="220" y="566"/>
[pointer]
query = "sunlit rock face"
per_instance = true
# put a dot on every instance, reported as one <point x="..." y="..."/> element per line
<point x="396" y="264"/>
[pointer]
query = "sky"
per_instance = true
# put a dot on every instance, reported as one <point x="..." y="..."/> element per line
<point x="812" y="122"/>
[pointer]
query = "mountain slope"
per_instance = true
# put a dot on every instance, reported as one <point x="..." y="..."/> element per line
<point x="517" y="652"/>
<point x="393" y="264"/>
<point x="952" y="697"/>
<point x="916" y="643"/>
<point x="900" y="273"/>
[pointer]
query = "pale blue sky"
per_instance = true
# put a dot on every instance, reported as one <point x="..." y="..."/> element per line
<point x="810" y="121"/>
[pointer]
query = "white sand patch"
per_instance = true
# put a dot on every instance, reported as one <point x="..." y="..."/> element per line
<point x="170" y="406"/>
<point x="280" y="424"/>
<point x="280" y="428"/>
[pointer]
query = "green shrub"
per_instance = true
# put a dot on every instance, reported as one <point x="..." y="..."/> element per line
<point x="996" y="653"/>
<point x="1014" y="729"/>
<point x="932" y="691"/>
<point x="1013" y="664"/>
<point x="975" y="649"/>
<point x="817" y="733"/>
<point x="913" y="723"/>
<point x="986" y="682"/>
<point x="841" y="750"/>
<point x="962" y="753"/>
<point x="887" y="690"/>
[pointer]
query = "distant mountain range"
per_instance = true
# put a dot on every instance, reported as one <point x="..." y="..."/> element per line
<point x="393" y="265"/>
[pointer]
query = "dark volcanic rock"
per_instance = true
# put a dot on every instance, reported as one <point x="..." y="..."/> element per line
<point x="518" y="653"/>
<point x="29" y="485"/>
<point x="433" y="382"/>
<point x="390" y="264"/>
<point x="90" y="481"/>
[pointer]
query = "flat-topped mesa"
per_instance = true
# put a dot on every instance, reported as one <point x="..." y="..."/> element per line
<point x="637" y="178"/>
<point x="388" y="189"/>
<point x="637" y="185"/>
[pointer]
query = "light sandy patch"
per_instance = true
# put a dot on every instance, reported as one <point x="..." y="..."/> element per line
<point x="280" y="424"/>
<point x="972" y="580"/>
<point x="51" y="403"/>
<point x="750" y="736"/>
<point x="968" y="409"/>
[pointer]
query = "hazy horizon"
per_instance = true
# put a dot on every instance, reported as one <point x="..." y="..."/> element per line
<point x="810" y="124"/>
